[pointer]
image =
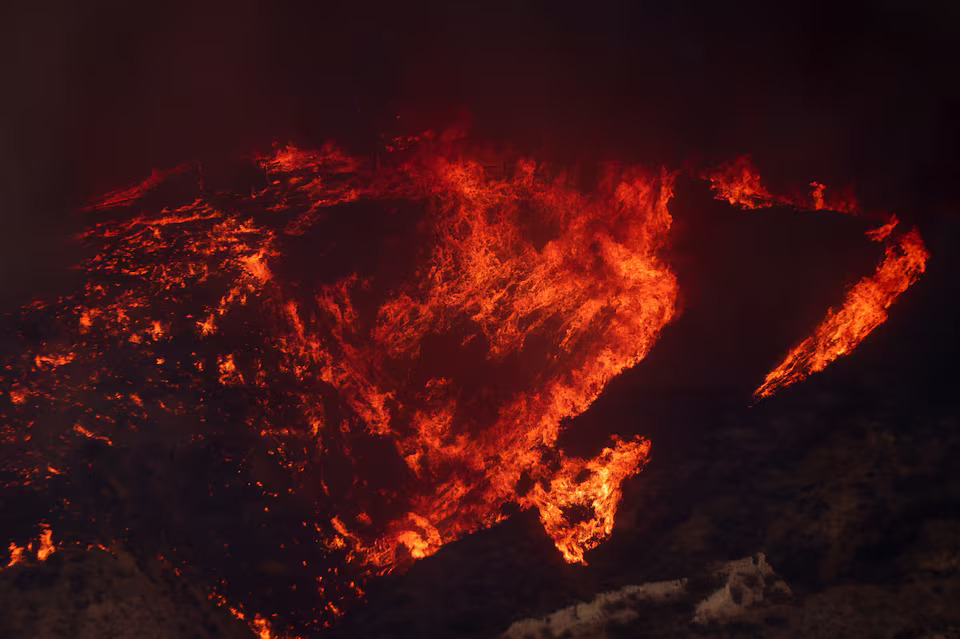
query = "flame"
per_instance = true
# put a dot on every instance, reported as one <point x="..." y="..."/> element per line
<point x="863" y="310"/>
<point x="16" y="554"/>
<point x="739" y="183"/>
<point x="866" y="302"/>
<point x="40" y="548"/>
<point x="883" y="232"/>
<point x="45" y="546"/>
<point x="259" y="625"/>
<point x="599" y="492"/>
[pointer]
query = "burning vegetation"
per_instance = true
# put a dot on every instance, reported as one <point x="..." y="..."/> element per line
<point x="391" y="349"/>
<point x="865" y="305"/>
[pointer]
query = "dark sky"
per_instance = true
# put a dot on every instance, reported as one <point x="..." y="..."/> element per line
<point x="97" y="93"/>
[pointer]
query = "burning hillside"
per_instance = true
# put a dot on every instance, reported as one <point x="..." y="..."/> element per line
<point x="365" y="360"/>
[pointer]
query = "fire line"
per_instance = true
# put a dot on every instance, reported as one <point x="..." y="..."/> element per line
<point x="537" y="293"/>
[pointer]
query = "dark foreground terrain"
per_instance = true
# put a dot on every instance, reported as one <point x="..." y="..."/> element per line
<point x="854" y="497"/>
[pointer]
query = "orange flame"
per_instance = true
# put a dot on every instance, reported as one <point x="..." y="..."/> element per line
<point x="45" y="546"/>
<point x="738" y="183"/>
<point x="865" y="306"/>
<point x="599" y="493"/>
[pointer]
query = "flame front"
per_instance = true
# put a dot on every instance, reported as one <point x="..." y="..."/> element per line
<point x="552" y="324"/>
<point x="413" y="389"/>
<point x="864" y="308"/>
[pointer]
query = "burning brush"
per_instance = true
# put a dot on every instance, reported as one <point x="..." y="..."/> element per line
<point x="357" y="410"/>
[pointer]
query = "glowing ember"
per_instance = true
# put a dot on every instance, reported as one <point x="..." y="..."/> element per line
<point x="86" y="433"/>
